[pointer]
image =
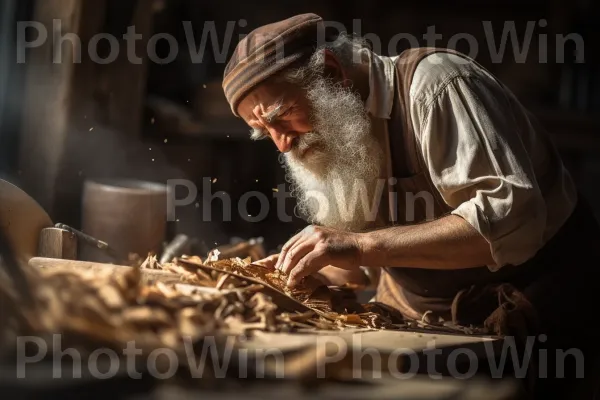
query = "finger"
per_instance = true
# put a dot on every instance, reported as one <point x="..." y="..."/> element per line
<point x="309" y="265"/>
<point x="268" y="262"/>
<point x="287" y="246"/>
<point x="296" y="253"/>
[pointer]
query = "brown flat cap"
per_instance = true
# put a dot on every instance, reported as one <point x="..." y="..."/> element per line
<point x="266" y="51"/>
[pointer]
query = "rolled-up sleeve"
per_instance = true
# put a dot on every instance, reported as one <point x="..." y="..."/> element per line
<point x="478" y="163"/>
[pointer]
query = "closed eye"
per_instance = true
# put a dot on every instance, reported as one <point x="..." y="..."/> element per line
<point x="287" y="112"/>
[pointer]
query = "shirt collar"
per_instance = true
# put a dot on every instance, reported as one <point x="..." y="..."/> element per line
<point x="381" y="84"/>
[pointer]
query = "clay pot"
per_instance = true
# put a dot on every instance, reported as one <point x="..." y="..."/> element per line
<point x="130" y="215"/>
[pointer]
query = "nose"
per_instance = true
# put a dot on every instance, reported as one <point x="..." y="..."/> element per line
<point x="282" y="140"/>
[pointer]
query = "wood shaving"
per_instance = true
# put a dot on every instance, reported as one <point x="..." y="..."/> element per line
<point x="214" y="298"/>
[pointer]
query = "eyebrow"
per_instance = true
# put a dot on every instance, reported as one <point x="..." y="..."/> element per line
<point x="258" y="134"/>
<point x="269" y="116"/>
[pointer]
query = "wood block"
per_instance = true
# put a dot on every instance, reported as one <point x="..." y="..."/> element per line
<point x="57" y="243"/>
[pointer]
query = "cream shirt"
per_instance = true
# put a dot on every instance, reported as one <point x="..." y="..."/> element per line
<point x="481" y="165"/>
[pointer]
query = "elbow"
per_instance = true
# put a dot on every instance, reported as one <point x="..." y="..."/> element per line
<point x="517" y="238"/>
<point x="514" y="236"/>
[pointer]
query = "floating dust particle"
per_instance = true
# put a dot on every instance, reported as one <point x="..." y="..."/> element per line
<point x="214" y="180"/>
<point x="80" y="173"/>
<point x="91" y="129"/>
<point x="166" y="140"/>
<point x="153" y="160"/>
<point x="152" y="120"/>
<point x="257" y="181"/>
<point x="150" y="148"/>
<point x="189" y="160"/>
<point x="197" y="205"/>
<point x="204" y="86"/>
<point x="275" y="190"/>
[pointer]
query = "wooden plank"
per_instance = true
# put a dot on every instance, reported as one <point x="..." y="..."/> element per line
<point x="74" y="265"/>
<point x="382" y="351"/>
<point x="383" y="340"/>
<point x="77" y="112"/>
<point x="46" y="104"/>
<point x="107" y="106"/>
<point x="57" y="243"/>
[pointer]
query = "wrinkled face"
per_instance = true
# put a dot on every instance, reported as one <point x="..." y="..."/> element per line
<point x="279" y="111"/>
<point x="324" y="132"/>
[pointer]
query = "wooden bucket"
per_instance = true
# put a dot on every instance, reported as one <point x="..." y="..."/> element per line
<point x="130" y="215"/>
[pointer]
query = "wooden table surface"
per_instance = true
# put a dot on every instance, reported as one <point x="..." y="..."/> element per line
<point x="384" y="340"/>
<point x="443" y="353"/>
<point x="393" y="347"/>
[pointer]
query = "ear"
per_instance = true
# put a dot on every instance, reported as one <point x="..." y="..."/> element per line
<point x="334" y="69"/>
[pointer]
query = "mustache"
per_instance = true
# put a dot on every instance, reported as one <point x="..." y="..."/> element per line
<point x="306" y="141"/>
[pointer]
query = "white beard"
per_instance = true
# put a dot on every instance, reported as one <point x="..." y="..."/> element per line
<point x="344" y="157"/>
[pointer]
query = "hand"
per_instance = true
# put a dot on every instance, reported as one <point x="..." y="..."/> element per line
<point x="317" y="247"/>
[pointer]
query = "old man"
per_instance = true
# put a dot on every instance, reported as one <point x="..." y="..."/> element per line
<point x="476" y="220"/>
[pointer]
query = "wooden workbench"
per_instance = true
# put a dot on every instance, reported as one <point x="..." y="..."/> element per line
<point x="384" y="341"/>
<point x="381" y="355"/>
<point x="400" y="352"/>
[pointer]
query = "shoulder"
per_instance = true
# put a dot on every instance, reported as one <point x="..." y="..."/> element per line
<point x="435" y="72"/>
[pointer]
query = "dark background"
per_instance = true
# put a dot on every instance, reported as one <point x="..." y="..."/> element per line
<point x="60" y="125"/>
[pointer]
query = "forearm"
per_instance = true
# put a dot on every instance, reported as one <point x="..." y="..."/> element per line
<point x="446" y="243"/>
